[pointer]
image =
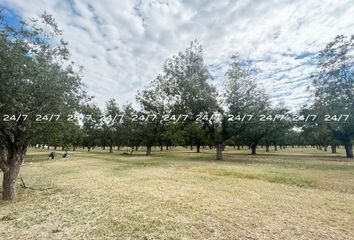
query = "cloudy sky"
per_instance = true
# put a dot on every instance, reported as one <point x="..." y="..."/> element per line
<point x="123" y="44"/>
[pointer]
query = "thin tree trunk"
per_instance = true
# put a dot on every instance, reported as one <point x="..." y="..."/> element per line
<point x="111" y="148"/>
<point x="148" y="150"/>
<point x="267" y="148"/>
<point x="219" y="148"/>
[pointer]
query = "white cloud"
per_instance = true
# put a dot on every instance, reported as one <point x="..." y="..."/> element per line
<point x="123" y="44"/>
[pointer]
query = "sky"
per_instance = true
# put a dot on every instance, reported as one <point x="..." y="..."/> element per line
<point x="122" y="45"/>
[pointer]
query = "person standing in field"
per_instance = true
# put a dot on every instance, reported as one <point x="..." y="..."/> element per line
<point x="65" y="154"/>
<point x="51" y="155"/>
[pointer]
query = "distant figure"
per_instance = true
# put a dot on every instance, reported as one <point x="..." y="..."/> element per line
<point x="65" y="154"/>
<point x="51" y="156"/>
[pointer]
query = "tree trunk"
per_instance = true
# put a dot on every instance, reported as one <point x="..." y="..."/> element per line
<point x="254" y="147"/>
<point x="9" y="183"/>
<point x="148" y="150"/>
<point x="325" y="148"/>
<point x="238" y="147"/>
<point x="136" y="148"/>
<point x="267" y="148"/>
<point x="15" y="158"/>
<point x="161" y="147"/>
<point x="111" y="148"/>
<point x="88" y="149"/>
<point x="349" y="149"/>
<point x="198" y="148"/>
<point x="334" y="148"/>
<point x="74" y="147"/>
<point x="219" y="148"/>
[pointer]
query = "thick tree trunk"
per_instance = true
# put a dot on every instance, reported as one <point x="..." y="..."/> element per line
<point x="254" y="147"/>
<point x="334" y="148"/>
<point x="9" y="183"/>
<point x="349" y="149"/>
<point x="148" y="150"/>
<point x="267" y="148"/>
<point x="219" y="148"/>
<point x="198" y="148"/>
<point x="15" y="158"/>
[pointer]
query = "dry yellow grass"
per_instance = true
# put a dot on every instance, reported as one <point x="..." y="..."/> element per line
<point x="289" y="194"/>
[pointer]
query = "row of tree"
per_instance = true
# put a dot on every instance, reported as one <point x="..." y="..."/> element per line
<point x="37" y="77"/>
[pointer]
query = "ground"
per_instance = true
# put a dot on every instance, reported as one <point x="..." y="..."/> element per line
<point x="294" y="193"/>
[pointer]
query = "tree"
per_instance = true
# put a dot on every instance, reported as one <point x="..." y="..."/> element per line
<point x="111" y="125"/>
<point x="186" y="81"/>
<point x="91" y="126"/>
<point x="334" y="88"/>
<point x="35" y="78"/>
<point x="153" y="107"/>
<point x="245" y="101"/>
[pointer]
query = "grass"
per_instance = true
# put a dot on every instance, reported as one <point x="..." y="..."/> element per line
<point x="179" y="194"/>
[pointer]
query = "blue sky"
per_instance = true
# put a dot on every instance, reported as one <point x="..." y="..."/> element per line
<point x="122" y="44"/>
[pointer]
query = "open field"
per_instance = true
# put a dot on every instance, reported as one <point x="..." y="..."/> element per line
<point x="178" y="194"/>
